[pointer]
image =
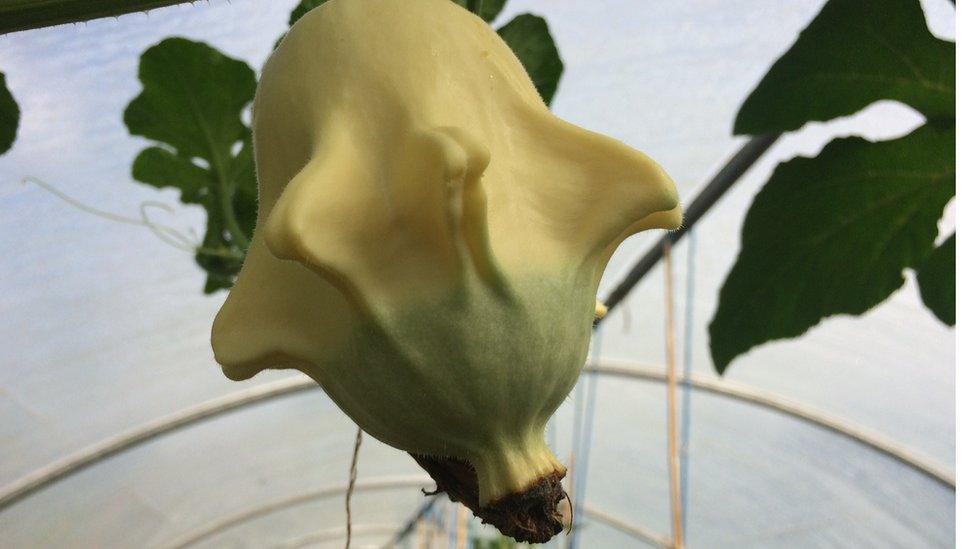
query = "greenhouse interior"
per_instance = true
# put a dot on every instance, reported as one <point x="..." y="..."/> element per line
<point x="696" y="421"/>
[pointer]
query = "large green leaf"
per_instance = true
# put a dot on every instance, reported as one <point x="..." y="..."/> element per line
<point x="855" y="52"/>
<point x="9" y="116"/>
<point x="528" y="36"/>
<point x="191" y="105"/>
<point x="832" y="235"/>
<point x="191" y="100"/>
<point x="937" y="281"/>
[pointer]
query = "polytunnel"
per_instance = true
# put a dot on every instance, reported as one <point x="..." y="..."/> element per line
<point x="118" y="429"/>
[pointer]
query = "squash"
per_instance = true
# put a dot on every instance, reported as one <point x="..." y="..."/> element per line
<point x="429" y="242"/>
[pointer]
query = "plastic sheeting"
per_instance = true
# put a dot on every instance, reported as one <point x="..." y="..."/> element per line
<point x="104" y="327"/>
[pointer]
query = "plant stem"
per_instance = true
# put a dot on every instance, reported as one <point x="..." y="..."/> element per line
<point x="225" y="197"/>
<point x="18" y="15"/>
<point x="227" y="212"/>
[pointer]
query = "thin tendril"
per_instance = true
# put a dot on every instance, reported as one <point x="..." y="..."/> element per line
<point x="186" y="242"/>
<point x="81" y="205"/>
<point x="168" y="235"/>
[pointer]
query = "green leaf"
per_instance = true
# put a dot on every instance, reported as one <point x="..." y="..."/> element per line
<point x="191" y="105"/>
<point x="245" y="181"/>
<point x="855" y="52"/>
<point x="528" y="36"/>
<point x="191" y="100"/>
<point x="489" y="8"/>
<point x="9" y="116"/>
<point x="937" y="281"/>
<point x="303" y="7"/>
<point x="218" y="258"/>
<point x="161" y="168"/>
<point x="216" y="283"/>
<point x="831" y="235"/>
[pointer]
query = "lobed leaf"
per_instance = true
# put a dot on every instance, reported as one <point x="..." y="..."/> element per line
<point x="9" y="116"/>
<point x="191" y="100"/>
<point x="528" y="36"/>
<point x="161" y="168"/>
<point x="831" y="235"/>
<point x="191" y="105"/>
<point x="855" y="52"/>
<point x="937" y="281"/>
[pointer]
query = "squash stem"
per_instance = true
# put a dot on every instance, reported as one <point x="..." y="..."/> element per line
<point x="225" y="197"/>
<point x="18" y="15"/>
<point x="514" y="468"/>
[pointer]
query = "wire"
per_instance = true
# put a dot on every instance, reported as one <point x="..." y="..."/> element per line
<point x="352" y="485"/>
<point x="674" y="466"/>
<point x="686" y="381"/>
<point x="184" y="242"/>
<point x="588" y="405"/>
<point x="552" y="433"/>
<point x="453" y="530"/>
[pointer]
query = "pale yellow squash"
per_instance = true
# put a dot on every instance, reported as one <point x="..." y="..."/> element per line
<point x="430" y="236"/>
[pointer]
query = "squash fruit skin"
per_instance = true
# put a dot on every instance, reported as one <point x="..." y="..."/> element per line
<point x="430" y="237"/>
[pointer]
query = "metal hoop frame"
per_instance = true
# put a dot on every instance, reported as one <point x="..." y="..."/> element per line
<point x="369" y="485"/>
<point x="116" y="444"/>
